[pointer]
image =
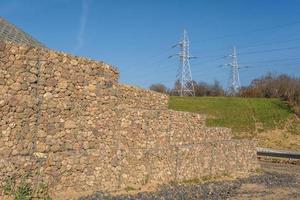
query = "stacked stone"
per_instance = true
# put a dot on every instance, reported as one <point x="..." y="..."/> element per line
<point x="68" y="121"/>
<point x="134" y="97"/>
<point x="180" y="148"/>
<point x="18" y="108"/>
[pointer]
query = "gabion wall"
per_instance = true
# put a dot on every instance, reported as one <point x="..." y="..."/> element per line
<point x="70" y="123"/>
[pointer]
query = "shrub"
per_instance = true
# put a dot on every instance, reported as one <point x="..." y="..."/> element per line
<point x="24" y="189"/>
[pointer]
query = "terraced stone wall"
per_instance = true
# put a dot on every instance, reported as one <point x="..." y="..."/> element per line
<point x="70" y="123"/>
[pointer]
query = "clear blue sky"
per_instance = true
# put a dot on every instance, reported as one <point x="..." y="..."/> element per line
<point x="136" y="35"/>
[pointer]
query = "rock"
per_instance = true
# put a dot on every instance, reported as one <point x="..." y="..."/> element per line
<point x="74" y="62"/>
<point x="40" y="155"/>
<point x="2" y="103"/>
<point x="19" y="109"/>
<point x="31" y="78"/>
<point x="91" y="88"/>
<point x="33" y="63"/>
<point x="41" y="147"/>
<point x="51" y="82"/>
<point x="41" y="134"/>
<point x="48" y="95"/>
<point x="24" y="86"/>
<point x="55" y="147"/>
<point x="2" y="81"/>
<point x="16" y="87"/>
<point x="86" y="145"/>
<point x="57" y="74"/>
<point x="63" y="84"/>
<point x="69" y="124"/>
<point x="14" y="152"/>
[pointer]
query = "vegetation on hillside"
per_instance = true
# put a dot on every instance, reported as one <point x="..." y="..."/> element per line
<point x="255" y="118"/>
<point x="285" y="87"/>
<point x="265" y="110"/>
<point x="281" y="86"/>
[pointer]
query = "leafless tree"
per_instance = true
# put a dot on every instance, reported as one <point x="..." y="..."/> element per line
<point x="158" y="87"/>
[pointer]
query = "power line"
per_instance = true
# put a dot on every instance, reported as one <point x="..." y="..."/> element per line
<point x="251" y="31"/>
<point x="258" y="44"/>
<point x="270" y="42"/>
<point x="210" y="60"/>
<point x="274" y="60"/>
<point x="214" y="58"/>
<point x="270" y="50"/>
<point x="231" y="35"/>
<point x="219" y="57"/>
<point x="285" y="65"/>
<point x="150" y="63"/>
<point x="255" y="45"/>
<point x="216" y="72"/>
<point x="167" y="70"/>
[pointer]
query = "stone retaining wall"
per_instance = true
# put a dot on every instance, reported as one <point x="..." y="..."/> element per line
<point x="70" y="123"/>
<point x="133" y="97"/>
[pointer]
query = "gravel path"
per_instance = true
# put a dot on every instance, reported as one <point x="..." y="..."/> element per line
<point x="278" y="181"/>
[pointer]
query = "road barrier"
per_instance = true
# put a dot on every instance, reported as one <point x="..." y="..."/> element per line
<point x="278" y="153"/>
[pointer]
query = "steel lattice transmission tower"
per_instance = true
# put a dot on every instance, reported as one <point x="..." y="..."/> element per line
<point x="234" y="84"/>
<point x="184" y="74"/>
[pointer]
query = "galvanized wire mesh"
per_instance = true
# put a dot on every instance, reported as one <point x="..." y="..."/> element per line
<point x="9" y="32"/>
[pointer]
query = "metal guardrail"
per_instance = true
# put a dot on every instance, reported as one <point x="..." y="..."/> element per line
<point x="277" y="153"/>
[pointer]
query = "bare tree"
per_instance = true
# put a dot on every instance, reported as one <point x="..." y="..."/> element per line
<point x="158" y="87"/>
<point x="275" y="86"/>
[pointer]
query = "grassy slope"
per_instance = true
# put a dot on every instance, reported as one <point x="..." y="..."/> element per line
<point x="248" y="117"/>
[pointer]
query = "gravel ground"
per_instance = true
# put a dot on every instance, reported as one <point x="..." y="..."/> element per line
<point x="277" y="181"/>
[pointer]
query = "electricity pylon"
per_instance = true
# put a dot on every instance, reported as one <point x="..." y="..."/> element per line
<point x="184" y="74"/>
<point x="234" y="83"/>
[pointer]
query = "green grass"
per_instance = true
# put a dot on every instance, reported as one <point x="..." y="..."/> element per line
<point x="24" y="189"/>
<point x="129" y="188"/>
<point x="243" y="115"/>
